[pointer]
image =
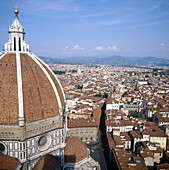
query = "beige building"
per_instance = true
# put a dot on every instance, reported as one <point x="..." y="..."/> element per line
<point x="86" y="130"/>
<point x="159" y="138"/>
<point x="126" y="140"/>
<point x="156" y="135"/>
<point x="84" y="115"/>
<point x="135" y="138"/>
<point x="150" y="150"/>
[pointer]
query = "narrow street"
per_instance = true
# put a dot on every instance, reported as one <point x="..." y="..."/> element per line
<point x="97" y="149"/>
<point x="96" y="152"/>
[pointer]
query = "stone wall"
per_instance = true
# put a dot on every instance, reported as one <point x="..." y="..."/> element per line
<point x="86" y="134"/>
<point x="15" y="132"/>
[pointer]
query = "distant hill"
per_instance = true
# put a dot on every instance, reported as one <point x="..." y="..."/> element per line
<point x="112" y="60"/>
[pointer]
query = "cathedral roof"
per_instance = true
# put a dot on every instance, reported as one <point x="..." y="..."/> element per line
<point x="41" y="93"/>
<point x="7" y="162"/>
<point x="16" y="25"/>
<point x="48" y="162"/>
<point x="16" y="22"/>
<point x="29" y="90"/>
<point x="75" y="150"/>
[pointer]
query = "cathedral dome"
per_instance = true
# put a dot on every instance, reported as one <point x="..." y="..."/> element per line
<point x="29" y="90"/>
<point x="33" y="120"/>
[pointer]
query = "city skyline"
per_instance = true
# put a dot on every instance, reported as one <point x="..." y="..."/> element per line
<point x="79" y="116"/>
<point x="91" y="28"/>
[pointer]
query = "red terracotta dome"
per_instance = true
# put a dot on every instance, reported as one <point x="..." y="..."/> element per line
<point x="40" y="91"/>
<point x="75" y="150"/>
<point x="29" y="90"/>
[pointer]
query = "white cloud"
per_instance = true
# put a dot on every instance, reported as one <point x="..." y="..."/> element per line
<point x="67" y="47"/>
<point x="151" y="23"/>
<point x="101" y="48"/>
<point x="156" y="6"/>
<point x="114" y="48"/>
<point x="162" y="44"/>
<point x="77" y="47"/>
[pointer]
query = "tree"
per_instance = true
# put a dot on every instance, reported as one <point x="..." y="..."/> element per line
<point x="59" y="72"/>
<point x="74" y="71"/>
<point x="136" y="114"/>
<point x="79" y="86"/>
<point x="125" y="93"/>
<point x="105" y="95"/>
<point x="98" y="95"/>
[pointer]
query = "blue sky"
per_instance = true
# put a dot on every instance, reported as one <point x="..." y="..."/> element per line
<point x="68" y="28"/>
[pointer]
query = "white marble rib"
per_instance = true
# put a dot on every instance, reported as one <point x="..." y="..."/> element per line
<point x="49" y="78"/>
<point x="52" y="74"/>
<point x="3" y="55"/>
<point x="20" y="90"/>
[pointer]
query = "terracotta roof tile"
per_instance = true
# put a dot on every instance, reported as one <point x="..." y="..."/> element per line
<point x="48" y="162"/>
<point x="110" y="141"/>
<point x="38" y="94"/>
<point x="8" y="90"/>
<point x="163" y="166"/>
<point x="7" y="162"/>
<point x="75" y="150"/>
<point x="39" y="99"/>
<point x="56" y="84"/>
<point x="81" y="122"/>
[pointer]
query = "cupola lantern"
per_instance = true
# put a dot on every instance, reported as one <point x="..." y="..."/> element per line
<point x="16" y="36"/>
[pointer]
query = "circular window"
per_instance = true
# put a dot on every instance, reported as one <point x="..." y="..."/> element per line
<point x="44" y="142"/>
<point x="2" y="148"/>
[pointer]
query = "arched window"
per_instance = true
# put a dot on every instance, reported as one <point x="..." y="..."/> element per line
<point x="19" y="44"/>
<point x="14" y="44"/>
